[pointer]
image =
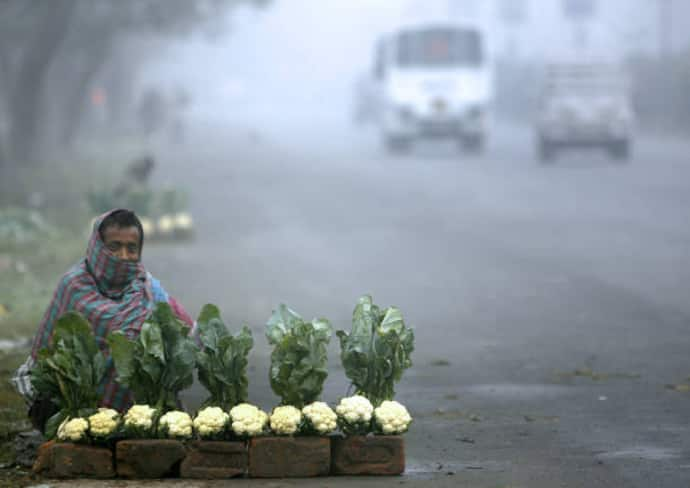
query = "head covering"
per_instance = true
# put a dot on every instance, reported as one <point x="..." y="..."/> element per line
<point x="112" y="294"/>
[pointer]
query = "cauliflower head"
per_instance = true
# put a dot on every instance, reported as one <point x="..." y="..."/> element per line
<point x="166" y="224"/>
<point x="147" y="226"/>
<point x="285" y="420"/>
<point x="354" y="414"/>
<point x="183" y="221"/>
<point x="104" y="423"/>
<point x="176" y="424"/>
<point x="211" y="421"/>
<point x="392" y="418"/>
<point x="73" y="430"/>
<point x="140" y="417"/>
<point x="321" y="417"/>
<point x="248" y="420"/>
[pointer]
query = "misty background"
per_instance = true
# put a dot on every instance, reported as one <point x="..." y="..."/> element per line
<point x="549" y="300"/>
<point x="81" y="69"/>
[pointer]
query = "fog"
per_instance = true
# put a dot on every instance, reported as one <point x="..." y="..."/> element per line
<point x="304" y="57"/>
<point x="513" y="175"/>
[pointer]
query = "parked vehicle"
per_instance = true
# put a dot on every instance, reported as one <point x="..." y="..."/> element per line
<point x="584" y="105"/>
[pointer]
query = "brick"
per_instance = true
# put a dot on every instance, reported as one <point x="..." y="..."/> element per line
<point x="44" y="458"/>
<point x="67" y="460"/>
<point x="214" y="460"/>
<point x="149" y="458"/>
<point x="289" y="457"/>
<point x="368" y="455"/>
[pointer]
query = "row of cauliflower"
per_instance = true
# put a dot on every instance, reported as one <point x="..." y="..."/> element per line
<point x="354" y="415"/>
<point x="165" y="226"/>
<point x="178" y="225"/>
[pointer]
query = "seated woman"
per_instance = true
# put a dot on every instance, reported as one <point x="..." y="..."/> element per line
<point x="111" y="288"/>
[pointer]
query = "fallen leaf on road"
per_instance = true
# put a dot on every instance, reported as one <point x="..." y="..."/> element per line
<point x="440" y="362"/>
<point x="594" y="376"/>
<point x="683" y="388"/>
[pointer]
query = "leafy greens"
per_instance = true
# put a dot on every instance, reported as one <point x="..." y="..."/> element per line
<point x="377" y="351"/>
<point x="222" y="363"/>
<point x="70" y="370"/>
<point x="157" y="364"/>
<point x="299" y="361"/>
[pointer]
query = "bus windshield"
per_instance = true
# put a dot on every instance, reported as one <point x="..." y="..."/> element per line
<point x="439" y="47"/>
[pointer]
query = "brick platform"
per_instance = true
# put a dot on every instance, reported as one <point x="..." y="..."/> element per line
<point x="67" y="460"/>
<point x="214" y="460"/>
<point x="289" y="457"/>
<point x="367" y="455"/>
<point x="149" y="458"/>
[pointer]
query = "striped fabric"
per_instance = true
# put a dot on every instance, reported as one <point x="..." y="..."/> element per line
<point x="111" y="294"/>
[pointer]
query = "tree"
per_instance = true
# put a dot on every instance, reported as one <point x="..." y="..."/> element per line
<point x="59" y="46"/>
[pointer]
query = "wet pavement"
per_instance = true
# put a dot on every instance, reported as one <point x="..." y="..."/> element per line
<point x="549" y="302"/>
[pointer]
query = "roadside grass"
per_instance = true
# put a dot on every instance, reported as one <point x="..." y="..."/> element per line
<point x="31" y="265"/>
<point x="13" y="419"/>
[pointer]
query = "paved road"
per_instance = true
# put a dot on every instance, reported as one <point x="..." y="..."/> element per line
<point x="514" y="276"/>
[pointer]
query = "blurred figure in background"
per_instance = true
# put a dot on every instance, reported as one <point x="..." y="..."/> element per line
<point x="152" y="112"/>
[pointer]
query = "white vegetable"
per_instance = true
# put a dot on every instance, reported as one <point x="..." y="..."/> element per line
<point x="140" y="417"/>
<point x="73" y="429"/>
<point x="211" y="421"/>
<point x="392" y="417"/>
<point x="354" y="415"/>
<point x="166" y="224"/>
<point x="248" y="420"/>
<point x="285" y="420"/>
<point x="104" y="423"/>
<point x="176" y="424"/>
<point x="147" y="226"/>
<point x="355" y="409"/>
<point x="183" y="221"/>
<point x="321" y="416"/>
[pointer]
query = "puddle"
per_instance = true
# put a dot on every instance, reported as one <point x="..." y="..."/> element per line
<point x="649" y="453"/>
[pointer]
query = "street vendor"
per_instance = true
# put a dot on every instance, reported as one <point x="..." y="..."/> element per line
<point x="111" y="288"/>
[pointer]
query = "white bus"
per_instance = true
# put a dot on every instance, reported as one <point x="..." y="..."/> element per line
<point x="432" y="80"/>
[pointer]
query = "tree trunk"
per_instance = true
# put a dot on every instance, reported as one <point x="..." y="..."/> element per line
<point x="25" y="102"/>
<point x="89" y="63"/>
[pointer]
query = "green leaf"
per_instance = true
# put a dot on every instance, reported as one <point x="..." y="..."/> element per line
<point x="208" y="312"/>
<point x="71" y="369"/>
<point x="121" y="350"/>
<point x="280" y="322"/>
<point x="222" y="364"/>
<point x="54" y="422"/>
<point x="377" y="351"/>
<point x="299" y="358"/>
<point x="160" y="362"/>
